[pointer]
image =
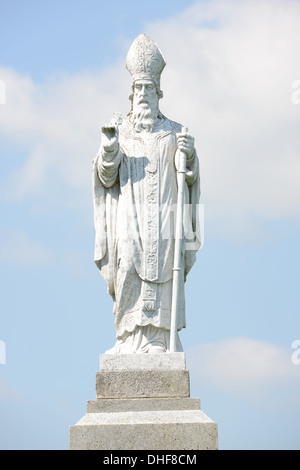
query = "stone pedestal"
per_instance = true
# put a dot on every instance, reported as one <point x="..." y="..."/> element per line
<point x="143" y="402"/>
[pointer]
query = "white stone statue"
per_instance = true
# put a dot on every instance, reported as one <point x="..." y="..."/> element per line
<point x="135" y="178"/>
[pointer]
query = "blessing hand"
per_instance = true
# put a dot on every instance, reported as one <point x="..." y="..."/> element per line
<point x="109" y="137"/>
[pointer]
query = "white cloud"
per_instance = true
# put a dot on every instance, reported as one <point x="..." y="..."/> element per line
<point x="244" y="367"/>
<point x="58" y="123"/>
<point x="229" y="75"/>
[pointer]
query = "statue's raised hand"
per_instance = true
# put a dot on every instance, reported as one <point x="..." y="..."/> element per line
<point x="110" y="137"/>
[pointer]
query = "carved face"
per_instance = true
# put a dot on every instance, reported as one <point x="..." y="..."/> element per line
<point x="145" y="95"/>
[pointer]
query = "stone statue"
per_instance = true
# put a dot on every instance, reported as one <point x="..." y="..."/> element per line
<point x="135" y="182"/>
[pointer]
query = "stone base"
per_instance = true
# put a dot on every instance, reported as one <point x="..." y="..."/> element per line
<point x="143" y="402"/>
<point x="149" y="430"/>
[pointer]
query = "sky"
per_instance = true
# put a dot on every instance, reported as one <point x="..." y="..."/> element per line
<point x="233" y="78"/>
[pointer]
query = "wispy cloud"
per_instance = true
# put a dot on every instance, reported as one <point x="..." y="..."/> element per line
<point x="244" y="367"/>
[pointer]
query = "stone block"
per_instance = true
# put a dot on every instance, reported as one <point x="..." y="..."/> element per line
<point x="142" y="383"/>
<point x="145" y="430"/>
<point x="166" y="361"/>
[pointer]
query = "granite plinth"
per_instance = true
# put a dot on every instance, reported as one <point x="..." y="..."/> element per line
<point x="143" y="402"/>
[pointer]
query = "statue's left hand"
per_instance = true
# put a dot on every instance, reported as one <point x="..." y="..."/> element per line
<point x="185" y="142"/>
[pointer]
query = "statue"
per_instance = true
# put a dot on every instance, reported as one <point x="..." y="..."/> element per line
<point x="135" y="182"/>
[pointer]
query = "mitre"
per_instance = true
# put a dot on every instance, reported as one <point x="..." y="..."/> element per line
<point x="144" y="60"/>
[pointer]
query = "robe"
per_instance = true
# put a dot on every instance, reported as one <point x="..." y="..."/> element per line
<point x="135" y="198"/>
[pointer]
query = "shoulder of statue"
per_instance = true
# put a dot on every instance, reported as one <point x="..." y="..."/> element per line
<point x="170" y="126"/>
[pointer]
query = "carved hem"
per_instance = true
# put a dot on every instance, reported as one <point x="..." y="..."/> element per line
<point x="160" y="319"/>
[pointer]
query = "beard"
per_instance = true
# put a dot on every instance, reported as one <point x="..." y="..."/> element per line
<point x="144" y="119"/>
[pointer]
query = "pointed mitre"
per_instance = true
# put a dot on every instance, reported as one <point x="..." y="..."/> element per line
<point x="144" y="60"/>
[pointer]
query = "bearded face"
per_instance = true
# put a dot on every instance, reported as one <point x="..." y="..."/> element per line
<point x="144" y="105"/>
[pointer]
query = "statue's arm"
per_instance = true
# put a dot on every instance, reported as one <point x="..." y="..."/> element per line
<point x="192" y="168"/>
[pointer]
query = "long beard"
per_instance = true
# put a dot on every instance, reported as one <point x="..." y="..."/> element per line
<point x="143" y="119"/>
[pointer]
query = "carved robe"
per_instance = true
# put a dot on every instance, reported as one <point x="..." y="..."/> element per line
<point x="135" y="197"/>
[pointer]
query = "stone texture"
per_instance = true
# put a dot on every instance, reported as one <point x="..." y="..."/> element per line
<point x="149" y="430"/>
<point x="109" y="405"/>
<point x="142" y="383"/>
<point x="167" y="361"/>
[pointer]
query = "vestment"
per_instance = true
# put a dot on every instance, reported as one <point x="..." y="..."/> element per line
<point x="135" y="196"/>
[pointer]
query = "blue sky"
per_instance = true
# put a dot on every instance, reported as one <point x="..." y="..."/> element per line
<point x="232" y="77"/>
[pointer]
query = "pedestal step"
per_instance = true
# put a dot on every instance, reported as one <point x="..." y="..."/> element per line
<point x="102" y="405"/>
<point x="148" y="430"/>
